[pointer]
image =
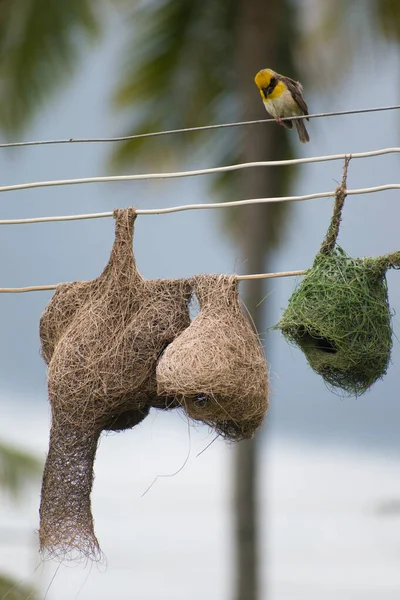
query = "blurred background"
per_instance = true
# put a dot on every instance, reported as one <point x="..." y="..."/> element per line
<point x="311" y="508"/>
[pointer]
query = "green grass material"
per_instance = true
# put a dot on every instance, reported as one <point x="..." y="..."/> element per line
<point x="340" y="317"/>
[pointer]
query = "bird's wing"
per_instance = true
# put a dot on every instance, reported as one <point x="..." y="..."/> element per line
<point x="296" y="90"/>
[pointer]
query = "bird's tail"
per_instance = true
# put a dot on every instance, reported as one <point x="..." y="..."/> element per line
<point x="302" y="131"/>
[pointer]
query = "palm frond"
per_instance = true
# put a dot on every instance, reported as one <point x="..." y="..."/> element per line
<point x="39" y="46"/>
<point x="281" y="178"/>
<point x="177" y="71"/>
<point x="335" y="32"/>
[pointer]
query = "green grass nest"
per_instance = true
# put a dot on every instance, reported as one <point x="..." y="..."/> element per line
<point x="340" y="317"/>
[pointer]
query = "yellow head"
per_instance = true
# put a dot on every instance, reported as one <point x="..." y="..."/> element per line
<point x="263" y="78"/>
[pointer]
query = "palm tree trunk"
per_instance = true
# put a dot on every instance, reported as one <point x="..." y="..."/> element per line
<point x="257" y="48"/>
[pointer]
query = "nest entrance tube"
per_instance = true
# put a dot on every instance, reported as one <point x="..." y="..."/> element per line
<point x="66" y="527"/>
<point x="102" y="340"/>
<point x="339" y="315"/>
<point x="216" y="368"/>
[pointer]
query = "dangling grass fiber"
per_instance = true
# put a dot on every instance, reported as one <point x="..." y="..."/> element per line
<point x="340" y="316"/>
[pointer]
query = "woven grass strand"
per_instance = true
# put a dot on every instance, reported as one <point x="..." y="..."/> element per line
<point x="329" y="242"/>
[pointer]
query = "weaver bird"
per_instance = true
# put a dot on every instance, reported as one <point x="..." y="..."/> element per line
<point x="283" y="97"/>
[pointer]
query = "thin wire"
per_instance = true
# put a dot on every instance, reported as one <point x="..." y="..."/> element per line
<point x="32" y="288"/>
<point x="41" y="288"/>
<point x="194" y="173"/>
<point x="199" y="206"/>
<point x="192" y="207"/>
<point x="271" y="275"/>
<point x="164" y="211"/>
<point x="185" y="207"/>
<point x="193" y="129"/>
<point x="54" y="219"/>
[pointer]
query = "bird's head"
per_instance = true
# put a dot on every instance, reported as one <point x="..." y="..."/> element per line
<point x="265" y="80"/>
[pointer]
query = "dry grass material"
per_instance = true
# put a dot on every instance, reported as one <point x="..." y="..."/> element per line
<point x="102" y="340"/>
<point x="216" y="368"/>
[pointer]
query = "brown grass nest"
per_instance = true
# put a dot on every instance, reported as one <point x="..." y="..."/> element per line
<point x="216" y="367"/>
<point x="102" y="340"/>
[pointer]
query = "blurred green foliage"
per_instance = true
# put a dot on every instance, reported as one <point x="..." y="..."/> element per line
<point x="387" y="15"/>
<point x="17" y="468"/>
<point x="39" y="46"/>
<point x="177" y="71"/>
<point x="14" y="591"/>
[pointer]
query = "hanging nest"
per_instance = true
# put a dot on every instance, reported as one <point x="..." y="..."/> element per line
<point x="101" y="340"/>
<point x="216" y="368"/>
<point x="340" y="316"/>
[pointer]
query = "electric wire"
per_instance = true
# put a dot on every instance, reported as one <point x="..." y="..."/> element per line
<point x="214" y="205"/>
<point x="42" y="288"/>
<point x="190" y="174"/>
<point x="196" y="172"/>
<point x="195" y="129"/>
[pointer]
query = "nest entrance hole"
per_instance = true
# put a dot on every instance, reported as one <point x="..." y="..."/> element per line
<point x="319" y="342"/>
